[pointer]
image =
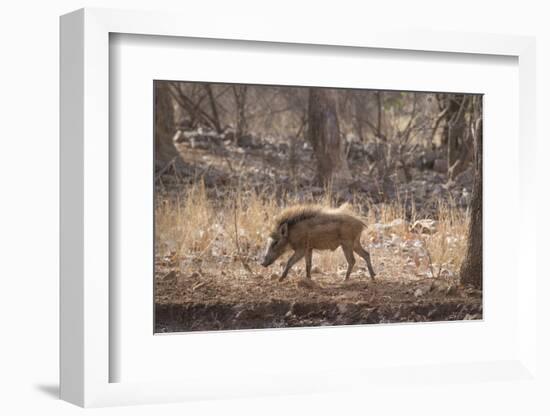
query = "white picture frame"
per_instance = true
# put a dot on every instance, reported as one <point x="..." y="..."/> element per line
<point x="85" y="165"/>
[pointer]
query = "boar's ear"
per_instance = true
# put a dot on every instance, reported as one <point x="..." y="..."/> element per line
<point x="284" y="229"/>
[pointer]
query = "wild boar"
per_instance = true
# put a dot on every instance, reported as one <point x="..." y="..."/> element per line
<point x="305" y="228"/>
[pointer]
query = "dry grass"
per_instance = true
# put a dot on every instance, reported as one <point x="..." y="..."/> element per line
<point x="446" y="248"/>
<point x="198" y="225"/>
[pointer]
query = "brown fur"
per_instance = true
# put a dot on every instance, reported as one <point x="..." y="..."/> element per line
<point x="299" y="213"/>
<point x="305" y="228"/>
<point x="296" y="214"/>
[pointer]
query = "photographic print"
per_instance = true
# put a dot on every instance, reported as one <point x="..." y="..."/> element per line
<point x="291" y="206"/>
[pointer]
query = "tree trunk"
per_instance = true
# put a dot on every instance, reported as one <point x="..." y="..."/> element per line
<point x="214" y="108"/>
<point x="379" y="112"/>
<point x="455" y="133"/>
<point x="239" y="93"/>
<point x="471" y="271"/>
<point x="324" y="136"/>
<point x="165" y="151"/>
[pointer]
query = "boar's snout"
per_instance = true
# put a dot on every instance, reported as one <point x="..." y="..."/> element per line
<point x="273" y="251"/>
<point x="268" y="259"/>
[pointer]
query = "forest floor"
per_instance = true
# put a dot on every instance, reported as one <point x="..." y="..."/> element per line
<point x="212" y="218"/>
<point x="214" y="300"/>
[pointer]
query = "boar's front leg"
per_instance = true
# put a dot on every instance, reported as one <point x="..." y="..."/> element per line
<point x="298" y="254"/>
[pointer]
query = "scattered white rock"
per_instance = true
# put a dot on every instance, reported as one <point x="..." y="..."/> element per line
<point x="418" y="293"/>
<point x="398" y="222"/>
<point x="395" y="240"/>
<point x="426" y="226"/>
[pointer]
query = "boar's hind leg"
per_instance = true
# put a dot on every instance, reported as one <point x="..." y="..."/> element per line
<point x="365" y="254"/>
<point x="348" y="252"/>
<point x="298" y="254"/>
<point x="309" y="252"/>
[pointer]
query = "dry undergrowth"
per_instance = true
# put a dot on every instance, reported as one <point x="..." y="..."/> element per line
<point x="207" y="227"/>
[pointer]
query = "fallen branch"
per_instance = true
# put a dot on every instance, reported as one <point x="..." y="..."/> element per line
<point x="239" y="256"/>
<point x="165" y="168"/>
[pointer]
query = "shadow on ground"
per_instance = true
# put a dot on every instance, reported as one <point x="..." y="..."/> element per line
<point x="51" y="390"/>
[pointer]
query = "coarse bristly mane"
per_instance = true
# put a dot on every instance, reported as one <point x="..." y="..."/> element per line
<point x="297" y="213"/>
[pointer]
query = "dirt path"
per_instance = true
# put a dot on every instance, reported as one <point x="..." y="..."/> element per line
<point x="206" y="301"/>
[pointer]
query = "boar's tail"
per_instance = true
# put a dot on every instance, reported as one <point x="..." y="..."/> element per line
<point x="362" y="221"/>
